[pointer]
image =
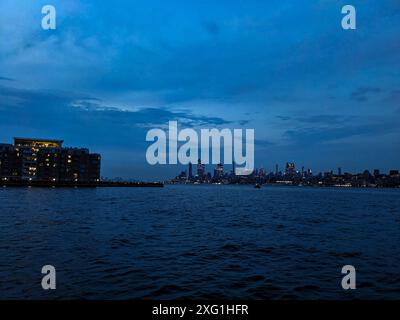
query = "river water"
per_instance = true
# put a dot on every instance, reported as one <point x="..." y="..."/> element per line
<point x="199" y="242"/>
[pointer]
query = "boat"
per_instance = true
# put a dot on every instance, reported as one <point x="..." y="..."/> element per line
<point x="257" y="186"/>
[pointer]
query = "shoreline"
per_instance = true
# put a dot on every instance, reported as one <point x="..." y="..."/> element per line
<point x="101" y="184"/>
<point x="283" y="185"/>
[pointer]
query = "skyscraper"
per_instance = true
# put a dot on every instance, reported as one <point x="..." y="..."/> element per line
<point x="190" y="174"/>
<point x="200" y="169"/>
<point x="290" y="168"/>
<point x="220" y="169"/>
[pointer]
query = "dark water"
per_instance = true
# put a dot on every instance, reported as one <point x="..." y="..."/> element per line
<point x="200" y="242"/>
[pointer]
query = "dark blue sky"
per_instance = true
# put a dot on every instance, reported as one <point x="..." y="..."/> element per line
<point x="314" y="93"/>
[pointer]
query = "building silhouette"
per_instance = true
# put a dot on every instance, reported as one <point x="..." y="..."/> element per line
<point x="190" y="174"/>
<point x="201" y="168"/>
<point x="290" y="168"/>
<point x="47" y="160"/>
<point x="220" y="170"/>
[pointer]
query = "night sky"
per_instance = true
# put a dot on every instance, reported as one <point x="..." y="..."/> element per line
<point x="315" y="94"/>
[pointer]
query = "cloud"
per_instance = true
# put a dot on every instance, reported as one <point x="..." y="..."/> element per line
<point x="393" y="98"/>
<point x="262" y="143"/>
<point x="284" y="118"/>
<point x="363" y="94"/>
<point x="212" y="27"/>
<point x="320" y="119"/>
<point x="323" y="119"/>
<point x="243" y="122"/>
<point x="5" y="79"/>
<point x="320" y="135"/>
<point x="78" y="117"/>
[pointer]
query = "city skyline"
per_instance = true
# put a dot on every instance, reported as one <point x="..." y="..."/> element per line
<point x="313" y="92"/>
<point x="289" y="176"/>
<point x="277" y="169"/>
<point x="207" y="169"/>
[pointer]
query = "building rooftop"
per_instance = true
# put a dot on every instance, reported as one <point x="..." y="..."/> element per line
<point x="34" y="142"/>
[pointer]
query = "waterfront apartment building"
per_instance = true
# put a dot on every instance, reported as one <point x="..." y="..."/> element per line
<point x="7" y="160"/>
<point x="47" y="160"/>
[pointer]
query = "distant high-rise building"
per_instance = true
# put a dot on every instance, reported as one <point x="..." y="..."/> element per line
<point x="376" y="172"/>
<point x="220" y="169"/>
<point x="200" y="169"/>
<point x="276" y="169"/>
<point x="290" y="168"/>
<point x="190" y="176"/>
<point x="366" y="174"/>
<point x="339" y="171"/>
<point x="394" y="172"/>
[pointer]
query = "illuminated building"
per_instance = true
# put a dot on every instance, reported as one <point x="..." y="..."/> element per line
<point x="79" y="165"/>
<point x="220" y="169"/>
<point x="48" y="163"/>
<point x="47" y="160"/>
<point x="31" y="156"/>
<point x="290" y="168"/>
<point x="393" y="172"/>
<point x="200" y="169"/>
